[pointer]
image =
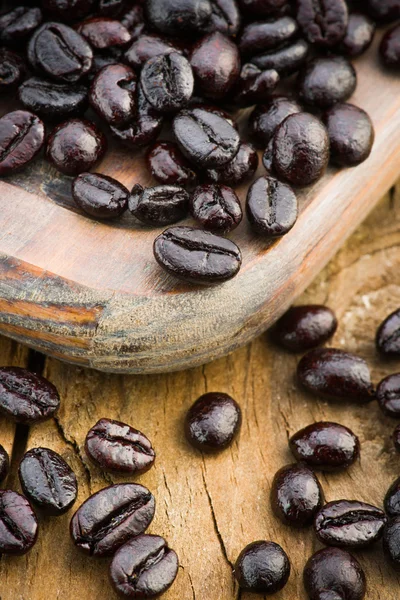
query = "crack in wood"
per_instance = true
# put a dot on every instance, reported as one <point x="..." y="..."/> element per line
<point x="72" y="443"/>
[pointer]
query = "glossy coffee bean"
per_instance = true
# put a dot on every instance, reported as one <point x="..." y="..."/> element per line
<point x="212" y="422"/>
<point x="336" y="374"/>
<point x="349" y="524"/>
<point x="271" y="207"/>
<point x="12" y="70"/>
<point x="59" y="52"/>
<point x="359" y="35"/>
<point x="26" y="397"/>
<point x="254" y="85"/>
<point x="265" y="35"/>
<point x="182" y="18"/>
<point x="21" y="139"/>
<point x="75" y="146"/>
<point x="160" y="205"/>
<point x="388" y="336"/>
<point x="325" y="446"/>
<point x="351" y="134"/>
<point x="167" y="164"/>
<point x="18" y="524"/>
<point x="262" y="568"/>
<point x="305" y="327"/>
<point x="392" y="500"/>
<point x="260" y="8"/>
<point x="396" y="438"/>
<point x="239" y="170"/>
<point x="103" y="33"/>
<point x="4" y="463"/>
<point x="68" y="10"/>
<point x="391" y="542"/>
<point x="133" y="20"/>
<point x="167" y="82"/>
<point x="388" y="395"/>
<point x="112" y="516"/>
<point x="48" y="481"/>
<point x="265" y="119"/>
<point x="225" y="17"/>
<point x="113" y="94"/>
<point x="286" y="60"/>
<point x="215" y="110"/>
<point x="385" y="11"/>
<point x="216" y="207"/>
<point x="390" y="48"/>
<point x="325" y="81"/>
<point x="113" y="56"/>
<point x="197" y="256"/>
<point x="18" y="24"/>
<point x="144" y="567"/>
<point x="53" y="101"/>
<point x="334" y="574"/>
<point x="100" y="196"/>
<point x="207" y="139"/>
<point x="146" y="47"/>
<point x="324" y="22"/>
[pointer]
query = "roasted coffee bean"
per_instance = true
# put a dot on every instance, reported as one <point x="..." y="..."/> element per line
<point x="103" y="33"/>
<point x="261" y="7"/>
<point x="113" y="56"/>
<point x="241" y="168"/>
<point x="266" y="35"/>
<point x="255" y="86"/>
<point x="197" y="256"/>
<point x="325" y="446"/>
<point x="265" y="119"/>
<point x="206" y="138"/>
<point x="392" y="500"/>
<point x="133" y="20"/>
<point x="4" y="463"/>
<point x="18" y="24"/>
<point x="48" y="481"/>
<point x="349" y="524"/>
<point x="304" y="327"/>
<point x="216" y="207"/>
<point x="268" y="157"/>
<point x="324" y="22"/>
<point x="21" y="139"/>
<point x="334" y="574"/>
<point x="351" y="134"/>
<point x="168" y="165"/>
<point x="115" y="446"/>
<point x="112" y="516"/>
<point x="111" y="8"/>
<point x="179" y="17"/>
<point x="146" y="47"/>
<point x="144" y="567"/>
<point x="390" y="48"/>
<point x="388" y="335"/>
<point x="296" y="495"/>
<point x="262" y="568"/>
<point x="225" y="17"/>
<point x="100" y="196"/>
<point x="160" y="205"/>
<point x="388" y="395"/>
<point x="325" y="81"/>
<point x="59" y="52"/>
<point x="113" y="94"/>
<point x="68" y="10"/>
<point x="12" y="70"/>
<point x="300" y="149"/>
<point x="335" y="374"/>
<point x="359" y="35"/>
<point x="396" y="438"/>
<point x="286" y="60"/>
<point x="26" y="397"/>
<point x="18" y="524"/>
<point x="216" y="110"/>
<point x="212" y="422"/>
<point x="167" y="82"/>
<point x="271" y="207"/>
<point x="391" y="542"/>
<point x="384" y="11"/>
<point x="53" y="101"/>
<point x="75" y="146"/>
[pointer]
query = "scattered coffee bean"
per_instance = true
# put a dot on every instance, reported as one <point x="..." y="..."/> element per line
<point x="102" y="33"/>
<point x="384" y="11"/>
<point x="113" y="94"/>
<point x="179" y="17"/>
<point x="325" y="81"/>
<point x="396" y="438"/>
<point x="286" y="60"/>
<point x="305" y="327"/>
<point x="262" y="568"/>
<point x="18" y="524"/>
<point x="225" y="17"/>
<point x="167" y="164"/>
<point x="255" y="85"/>
<point x="236" y="172"/>
<point x="146" y="47"/>
<point x="68" y="10"/>
<point x="21" y="139"/>
<point x="258" y="36"/>
<point x="18" y="24"/>
<point x="271" y="207"/>
<point x="160" y="205"/>
<point x="4" y="463"/>
<point x="167" y="82"/>
<point x="359" y="35"/>
<point x="216" y="207"/>
<point x="390" y="48"/>
<point x="388" y="395"/>
<point x="391" y="542"/>
<point x="12" y="70"/>
<point x="392" y="500"/>
<point x="100" y="196"/>
<point x="51" y="100"/>
<point x="265" y="119"/>
<point x="388" y="336"/>
<point x="324" y="22"/>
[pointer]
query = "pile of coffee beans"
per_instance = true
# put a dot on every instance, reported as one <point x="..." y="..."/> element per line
<point x="131" y="69"/>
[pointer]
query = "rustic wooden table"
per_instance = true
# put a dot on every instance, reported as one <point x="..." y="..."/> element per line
<point x="209" y="508"/>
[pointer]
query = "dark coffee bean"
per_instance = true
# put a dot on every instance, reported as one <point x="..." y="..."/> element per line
<point x="212" y="422"/>
<point x="144" y="567"/>
<point x="4" y="463"/>
<point x="286" y="60"/>
<point x="296" y="495"/>
<point x="102" y="33"/>
<point x="396" y="438"/>
<point x="75" y="146"/>
<point x="53" y="101"/>
<point x="392" y="500"/>
<point x="334" y="574"/>
<point x="146" y="47"/>
<point x="26" y="397"/>
<point x="12" y="70"/>
<point x="111" y="517"/>
<point x="335" y="374"/>
<point x="388" y="395"/>
<point x="113" y="56"/>
<point x="265" y="119"/>
<point x="300" y="149"/>
<point x="241" y="168"/>
<point x="351" y="134"/>
<point x="390" y="48"/>
<point x="133" y="20"/>
<point x="304" y="327"/>
<point x="160" y="205"/>
<point x="167" y="82"/>
<point x="111" y="8"/>
<point x="216" y="207"/>
<point x="268" y="157"/>
<point x="388" y="335"/>
<point x="391" y="542"/>
<point x="325" y="446"/>
<point x="100" y="196"/>
<point x="18" y="24"/>
<point x="59" y="52"/>
<point x="206" y="138"/>
<point x="261" y="7"/>
<point x="197" y="256"/>
<point x="216" y="110"/>
<point x="183" y="18"/>
<point x="349" y="524"/>
<point x="262" y="568"/>
<point x="68" y="10"/>
<point x="225" y="17"/>
<point x="21" y="139"/>
<point x="168" y="165"/>
<point x="266" y="35"/>
<point x="359" y="35"/>
<point x="48" y="481"/>
<point x="254" y="85"/>
<point x="18" y="524"/>
<point x="324" y="22"/>
<point x="271" y="207"/>
<point x="384" y="11"/>
<point x="113" y="94"/>
<point x="325" y="81"/>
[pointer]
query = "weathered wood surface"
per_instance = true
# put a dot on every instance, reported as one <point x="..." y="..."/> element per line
<point x="209" y="508"/>
<point x="93" y="294"/>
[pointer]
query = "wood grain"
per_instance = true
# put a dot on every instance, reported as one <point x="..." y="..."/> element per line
<point x="91" y="293"/>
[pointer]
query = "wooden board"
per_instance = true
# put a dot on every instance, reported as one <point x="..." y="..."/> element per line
<point x="209" y="508"/>
<point x="91" y="293"/>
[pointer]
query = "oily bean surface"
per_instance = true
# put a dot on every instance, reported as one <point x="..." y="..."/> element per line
<point x="254" y="85"/>
<point x="305" y="327"/>
<point x="169" y="166"/>
<point x="262" y="568"/>
<point x="359" y="35"/>
<point x="21" y="139"/>
<point x="271" y="207"/>
<point x="148" y="46"/>
<point x="351" y="134"/>
<point x="392" y="500"/>
<point x="390" y="48"/>
<point x="51" y="100"/>
<point x="18" y="24"/>
<point x="113" y="94"/>
<point x="159" y="205"/>
<point x="324" y="22"/>
<point x="240" y="169"/>
<point x="12" y="70"/>
<point x="261" y="8"/>
<point x="388" y="395"/>
<point x="286" y="60"/>
<point x="388" y="336"/>
<point x="225" y="17"/>
<point x="216" y="207"/>
<point x="324" y="81"/>
<point x="100" y="196"/>
<point x="264" y="35"/>
<point x="167" y="82"/>
<point x="102" y="33"/>
<point x="182" y="18"/>
<point x="18" y="524"/>
<point x="391" y="542"/>
<point x="265" y="118"/>
<point x="4" y="463"/>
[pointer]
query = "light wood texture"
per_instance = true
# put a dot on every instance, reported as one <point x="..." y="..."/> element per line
<point x="210" y="507"/>
<point x="91" y="293"/>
